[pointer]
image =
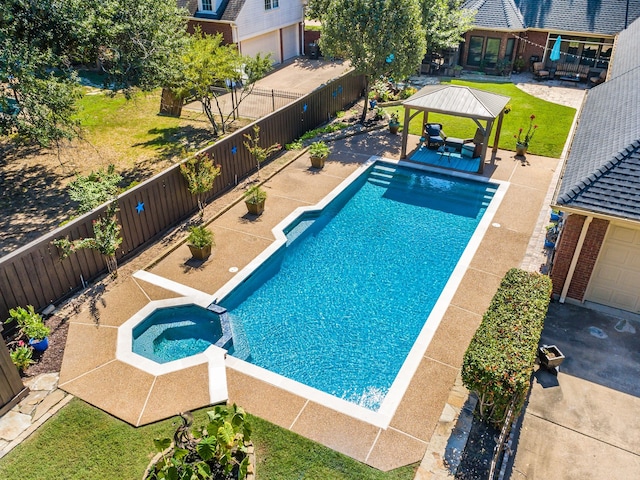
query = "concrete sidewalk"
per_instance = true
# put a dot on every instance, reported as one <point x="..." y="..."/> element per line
<point x="584" y="423"/>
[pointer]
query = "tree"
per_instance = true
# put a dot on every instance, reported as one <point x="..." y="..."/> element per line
<point x="379" y="37"/>
<point x="139" y="43"/>
<point x="206" y="63"/>
<point x="200" y="174"/>
<point x="445" y="22"/>
<point x="93" y="190"/>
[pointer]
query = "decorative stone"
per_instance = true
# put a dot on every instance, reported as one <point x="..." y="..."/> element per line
<point x="13" y="424"/>
<point x="31" y="401"/>
<point x="51" y="400"/>
<point x="46" y="381"/>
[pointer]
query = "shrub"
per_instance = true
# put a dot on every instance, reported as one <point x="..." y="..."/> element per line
<point x="319" y="149"/>
<point x="94" y="189"/>
<point x="295" y="145"/>
<point x="219" y="452"/>
<point x="21" y="356"/>
<point x="200" y="173"/>
<point x="200" y="236"/>
<point x="255" y="195"/>
<point x="29" y="322"/>
<point x="498" y="363"/>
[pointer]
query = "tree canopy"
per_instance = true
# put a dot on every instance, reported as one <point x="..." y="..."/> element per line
<point x="137" y="42"/>
<point x="208" y="62"/>
<point x="445" y="22"/>
<point x="378" y="37"/>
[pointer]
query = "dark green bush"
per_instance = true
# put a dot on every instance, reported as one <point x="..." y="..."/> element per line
<point x="498" y="363"/>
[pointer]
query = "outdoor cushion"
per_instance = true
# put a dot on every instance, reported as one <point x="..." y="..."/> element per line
<point x="467" y="150"/>
<point x="433" y="130"/>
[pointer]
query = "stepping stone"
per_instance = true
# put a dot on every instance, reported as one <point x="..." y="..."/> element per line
<point x="52" y="399"/>
<point x="46" y="381"/>
<point x="13" y="424"/>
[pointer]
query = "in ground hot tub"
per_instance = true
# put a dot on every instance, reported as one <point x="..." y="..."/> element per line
<point x="174" y="333"/>
<point x="170" y="335"/>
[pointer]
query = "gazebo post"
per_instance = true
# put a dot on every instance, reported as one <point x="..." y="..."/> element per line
<point x="487" y="133"/>
<point x="496" y="139"/>
<point x="405" y="133"/>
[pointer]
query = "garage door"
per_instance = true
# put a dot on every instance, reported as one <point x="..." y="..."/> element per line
<point x="290" y="43"/>
<point x="267" y="43"/>
<point x="616" y="277"/>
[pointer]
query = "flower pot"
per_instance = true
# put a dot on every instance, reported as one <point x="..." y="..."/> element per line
<point x="200" y="253"/>
<point x="521" y="149"/>
<point x="39" y="345"/>
<point x="317" y="162"/>
<point x="255" y="208"/>
<point x="393" y="128"/>
<point x="550" y="356"/>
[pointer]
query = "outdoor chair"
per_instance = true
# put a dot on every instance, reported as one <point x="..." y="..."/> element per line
<point x="433" y="135"/>
<point x="593" y="81"/>
<point x="539" y="71"/>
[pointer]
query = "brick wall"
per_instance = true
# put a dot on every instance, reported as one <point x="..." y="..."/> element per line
<point x="587" y="259"/>
<point x="211" y="28"/>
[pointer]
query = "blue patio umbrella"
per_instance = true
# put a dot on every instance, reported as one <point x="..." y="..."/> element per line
<point x="555" y="51"/>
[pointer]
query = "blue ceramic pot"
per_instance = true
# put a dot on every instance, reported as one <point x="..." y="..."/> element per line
<point x="39" y="345"/>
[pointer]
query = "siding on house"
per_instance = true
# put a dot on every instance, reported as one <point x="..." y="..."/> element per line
<point x="254" y="20"/>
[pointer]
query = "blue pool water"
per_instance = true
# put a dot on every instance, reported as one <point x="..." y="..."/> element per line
<point x="172" y="333"/>
<point x="340" y="306"/>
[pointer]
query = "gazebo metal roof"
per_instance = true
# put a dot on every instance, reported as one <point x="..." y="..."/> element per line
<point x="460" y="101"/>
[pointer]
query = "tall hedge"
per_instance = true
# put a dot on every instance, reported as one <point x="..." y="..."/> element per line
<point x="498" y="363"/>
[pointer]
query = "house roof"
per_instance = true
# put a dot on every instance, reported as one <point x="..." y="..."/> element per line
<point x="602" y="171"/>
<point x="458" y="100"/>
<point x="494" y="14"/>
<point x="587" y="16"/>
<point x="228" y="9"/>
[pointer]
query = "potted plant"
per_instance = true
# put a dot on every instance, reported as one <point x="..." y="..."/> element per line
<point x="518" y="64"/>
<point x="550" y="356"/>
<point x="318" y="152"/>
<point x="254" y="199"/>
<point x="457" y="70"/>
<point x="21" y="356"/>
<point x="394" y="123"/>
<point x="522" y="142"/>
<point x="31" y="326"/>
<point x="199" y="241"/>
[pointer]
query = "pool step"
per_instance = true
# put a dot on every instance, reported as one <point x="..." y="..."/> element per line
<point x="227" y="337"/>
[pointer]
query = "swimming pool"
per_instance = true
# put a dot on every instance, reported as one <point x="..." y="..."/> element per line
<point x="339" y="306"/>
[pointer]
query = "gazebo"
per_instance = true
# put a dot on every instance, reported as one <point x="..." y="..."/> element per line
<point x="459" y="101"/>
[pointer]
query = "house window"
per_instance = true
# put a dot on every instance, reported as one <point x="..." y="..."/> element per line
<point x="475" y="51"/>
<point x="206" y="5"/>
<point x="508" y="52"/>
<point x="269" y="4"/>
<point x="491" y="53"/>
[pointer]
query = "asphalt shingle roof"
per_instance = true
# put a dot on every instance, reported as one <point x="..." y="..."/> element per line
<point x="585" y="16"/>
<point x="602" y="172"/>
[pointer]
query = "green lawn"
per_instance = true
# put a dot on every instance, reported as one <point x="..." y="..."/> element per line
<point x="553" y="120"/>
<point x="83" y="443"/>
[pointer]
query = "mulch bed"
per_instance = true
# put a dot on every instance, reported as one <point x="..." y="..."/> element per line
<point x="50" y="360"/>
<point x="476" y="459"/>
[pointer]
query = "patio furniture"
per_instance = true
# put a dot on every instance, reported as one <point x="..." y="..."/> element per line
<point x="593" y="81"/>
<point x="433" y="134"/>
<point x="539" y="71"/>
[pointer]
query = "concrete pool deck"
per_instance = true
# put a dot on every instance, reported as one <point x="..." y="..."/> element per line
<point x="90" y="369"/>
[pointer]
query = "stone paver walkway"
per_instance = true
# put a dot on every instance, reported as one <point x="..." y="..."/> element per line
<point x="42" y="402"/>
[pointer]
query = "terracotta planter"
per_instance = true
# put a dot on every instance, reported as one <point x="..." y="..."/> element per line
<point x="200" y="253"/>
<point x="255" y="208"/>
<point x="521" y="149"/>
<point x="317" y="162"/>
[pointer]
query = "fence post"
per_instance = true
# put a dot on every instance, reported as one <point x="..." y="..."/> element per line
<point x="273" y="100"/>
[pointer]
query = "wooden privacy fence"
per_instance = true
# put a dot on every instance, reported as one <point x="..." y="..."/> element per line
<point x="35" y="275"/>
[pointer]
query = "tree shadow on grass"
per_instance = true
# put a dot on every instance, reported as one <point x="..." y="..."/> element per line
<point x="172" y="142"/>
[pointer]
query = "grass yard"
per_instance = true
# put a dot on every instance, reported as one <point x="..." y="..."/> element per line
<point x="553" y="120"/>
<point x="84" y="443"/>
